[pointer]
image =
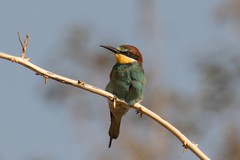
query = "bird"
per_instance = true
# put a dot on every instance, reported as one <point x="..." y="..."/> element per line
<point x="127" y="81"/>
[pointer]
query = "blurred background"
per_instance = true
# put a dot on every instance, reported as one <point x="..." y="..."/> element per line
<point x="191" y="60"/>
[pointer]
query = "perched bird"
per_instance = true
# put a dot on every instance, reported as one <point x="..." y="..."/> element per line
<point x="127" y="81"/>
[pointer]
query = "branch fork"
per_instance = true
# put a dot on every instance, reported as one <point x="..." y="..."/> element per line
<point x="24" y="45"/>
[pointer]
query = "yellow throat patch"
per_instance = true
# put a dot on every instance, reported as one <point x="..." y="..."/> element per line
<point x="122" y="59"/>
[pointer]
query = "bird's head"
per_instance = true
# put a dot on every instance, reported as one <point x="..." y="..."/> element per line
<point x="125" y="54"/>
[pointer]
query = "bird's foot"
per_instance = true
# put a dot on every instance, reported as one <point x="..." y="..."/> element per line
<point x="138" y="112"/>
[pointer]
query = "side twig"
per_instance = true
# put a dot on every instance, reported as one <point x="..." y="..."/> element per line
<point x="186" y="143"/>
<point x="24" y="45"/>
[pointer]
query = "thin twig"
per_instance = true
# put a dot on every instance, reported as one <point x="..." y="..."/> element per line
<point x="24" y="45"/>
<point x="19" y="38"/>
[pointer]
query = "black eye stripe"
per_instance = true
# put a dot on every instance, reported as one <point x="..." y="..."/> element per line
<point x="130" y="54"/>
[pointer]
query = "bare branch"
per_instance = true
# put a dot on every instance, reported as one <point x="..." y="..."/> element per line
<point x="186" y="143"/>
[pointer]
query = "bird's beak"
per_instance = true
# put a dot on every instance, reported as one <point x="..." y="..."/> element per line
<point x="114" y="50"/>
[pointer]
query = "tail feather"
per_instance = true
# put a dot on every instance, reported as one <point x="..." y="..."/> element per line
<point x="114" y="129"/>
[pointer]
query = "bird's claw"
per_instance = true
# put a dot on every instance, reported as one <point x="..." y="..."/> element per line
<point x="140" y="113"/>
<point x="114" y="101"/>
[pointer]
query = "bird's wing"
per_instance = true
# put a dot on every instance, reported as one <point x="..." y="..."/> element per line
<point x="138" y="81"/>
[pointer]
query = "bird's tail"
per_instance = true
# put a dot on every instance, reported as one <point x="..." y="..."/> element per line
<point x="114" y="129"/>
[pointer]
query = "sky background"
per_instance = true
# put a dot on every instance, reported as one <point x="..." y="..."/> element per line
<point x="32" y="127"/>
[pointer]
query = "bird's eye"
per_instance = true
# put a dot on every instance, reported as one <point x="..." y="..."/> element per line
<point x="129" y="54"/>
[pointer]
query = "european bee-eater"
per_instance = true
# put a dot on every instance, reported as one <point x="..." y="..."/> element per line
<point x="127" y="81"/>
